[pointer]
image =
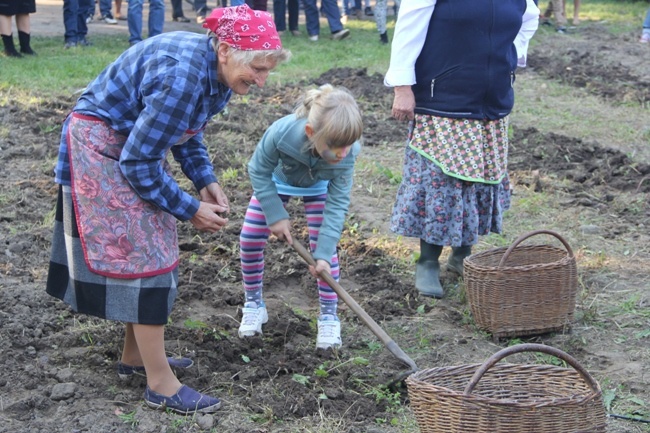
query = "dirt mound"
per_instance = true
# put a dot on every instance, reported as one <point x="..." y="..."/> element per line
<point x="278" y="382"/>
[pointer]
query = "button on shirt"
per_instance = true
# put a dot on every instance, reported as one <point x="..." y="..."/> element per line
<point x="157" y="93"/>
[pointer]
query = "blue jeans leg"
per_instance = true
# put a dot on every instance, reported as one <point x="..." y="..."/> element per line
<point x="646" y="22"/>
<point x="312" y="17"/>
<point x="156" y="17"/>
<point x="70" y="12"/>
<point x="201" y="7"/>
<point x="105" y="8"/>
<point x="177" y="8"/>
<point x="134" y="18"/>
<point x="75" y="13"/>
<point x="82" y="28"/>
<point x="346" y="7"/>
<point x="280" y="14"/>
<point x="333" y="15"/>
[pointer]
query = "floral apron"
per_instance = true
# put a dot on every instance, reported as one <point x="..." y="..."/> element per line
<point x="122" y="235"/>
<point x="468" y="149"/>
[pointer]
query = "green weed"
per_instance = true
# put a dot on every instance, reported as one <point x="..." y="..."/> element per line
<point x="394" y="178"/>
<point x="195" y="324"/>
<point x="129" y="418"/>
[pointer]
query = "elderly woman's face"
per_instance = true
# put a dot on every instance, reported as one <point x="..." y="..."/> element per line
<point x="240" y="77"/>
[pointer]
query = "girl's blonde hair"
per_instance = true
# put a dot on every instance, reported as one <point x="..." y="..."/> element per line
<point x="333" y="115"/>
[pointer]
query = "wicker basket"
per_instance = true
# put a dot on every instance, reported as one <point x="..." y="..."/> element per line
<point x="522" y="290"/>
<point x="510" y="398"/>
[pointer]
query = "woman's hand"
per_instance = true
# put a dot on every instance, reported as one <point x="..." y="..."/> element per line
<point x="321" y="266"/>
<point x="403" y="103"/>
<point x="282" y="230"/>
<point x="207" y="218"/>
<point x="213" y="203"/>
<point x="213" y="193"/>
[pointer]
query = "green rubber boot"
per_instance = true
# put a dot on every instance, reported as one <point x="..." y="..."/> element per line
<point x="455" y="261"/>
<point x="427" y="270"/>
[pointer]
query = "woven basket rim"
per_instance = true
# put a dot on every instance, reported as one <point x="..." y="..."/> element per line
<point x="414" y="381"/>
<point x="473" y="261"/>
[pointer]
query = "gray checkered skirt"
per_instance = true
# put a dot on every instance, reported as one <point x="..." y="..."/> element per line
<point x="146" y="301"/>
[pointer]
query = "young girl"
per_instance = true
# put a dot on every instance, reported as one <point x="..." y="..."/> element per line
<point x="310" y="154"/>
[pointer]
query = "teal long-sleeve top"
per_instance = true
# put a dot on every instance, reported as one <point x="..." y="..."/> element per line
<point x="284" y="152"/>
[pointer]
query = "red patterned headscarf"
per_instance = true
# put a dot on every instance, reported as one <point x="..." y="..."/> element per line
<point x="244" y="28"/>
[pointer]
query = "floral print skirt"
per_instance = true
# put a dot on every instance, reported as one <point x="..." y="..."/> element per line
<point x="444" y="210"/>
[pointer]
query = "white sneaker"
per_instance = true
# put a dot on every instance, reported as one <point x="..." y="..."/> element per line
<point x="341" y="34"/>
<point x="253" y="318"/>
<point x="109" y="19"/>
<point x="329" y="332"/>
<point x="313" y="38"/>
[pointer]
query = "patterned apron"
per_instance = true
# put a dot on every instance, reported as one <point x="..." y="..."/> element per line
<point x="122" y="235"/>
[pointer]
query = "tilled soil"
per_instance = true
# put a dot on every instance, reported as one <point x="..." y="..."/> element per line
<point x="58" y="367"/>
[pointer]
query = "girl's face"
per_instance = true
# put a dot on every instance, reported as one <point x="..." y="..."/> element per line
<point x="332" y="156"/>
<point x="329" y="153"/>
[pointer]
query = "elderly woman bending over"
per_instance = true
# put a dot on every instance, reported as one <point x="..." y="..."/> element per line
<point x="115" y="248"/>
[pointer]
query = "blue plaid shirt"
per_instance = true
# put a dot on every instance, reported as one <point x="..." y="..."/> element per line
<point x="154" y="93"/>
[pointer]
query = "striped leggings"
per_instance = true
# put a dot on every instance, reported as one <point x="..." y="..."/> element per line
<point x="252" y="241"/>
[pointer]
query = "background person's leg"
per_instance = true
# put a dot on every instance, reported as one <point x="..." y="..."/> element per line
<point x="312" y="18"/>
<point x="280" y="15"/>
<point x="24" y="33"/>
<point x="156" y="17"/>
<point x="134" y="18"/>
<point x="294" y="10"/>
<point x="333" y="15"/>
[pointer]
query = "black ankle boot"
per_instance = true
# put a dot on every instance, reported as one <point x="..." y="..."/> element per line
<point x="383" y="38"/>
<point x="25" y="48"/>
<point x="10" y="49"/>
<point x="427" y="270"/>
<point x="455" y="261"/>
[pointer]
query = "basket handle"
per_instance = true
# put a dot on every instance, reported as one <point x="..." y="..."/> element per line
<point x="522" y="238"/>
<point x="530" y="347"/>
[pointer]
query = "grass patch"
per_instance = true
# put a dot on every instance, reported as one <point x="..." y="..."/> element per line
<point x="63" y="72"/>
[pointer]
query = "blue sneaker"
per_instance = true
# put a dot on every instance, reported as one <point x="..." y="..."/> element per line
<point x="184" y="402"/>
<point x="125" y="371"/>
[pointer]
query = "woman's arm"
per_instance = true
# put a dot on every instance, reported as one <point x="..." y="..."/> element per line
<point x="408" y="40"/>
<point x="163" y="119"/>
<point x="336" y="209"/>
<point x="529" y="24"/>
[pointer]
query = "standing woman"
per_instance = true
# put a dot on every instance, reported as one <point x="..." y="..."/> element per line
<point x="453" y="67"/>
<point x="115" y="247"/>
<point x="21" y="10"/>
